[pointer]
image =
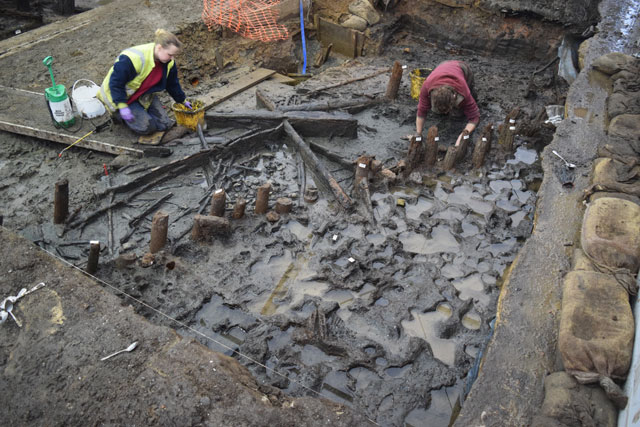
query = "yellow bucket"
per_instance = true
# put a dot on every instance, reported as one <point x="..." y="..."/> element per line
<point x="189" y="118"/>
<point x="418" y="76"/>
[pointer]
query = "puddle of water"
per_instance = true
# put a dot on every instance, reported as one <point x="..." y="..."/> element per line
<point x="279" y="340"/>
<point x="472" y="321"/>
<point x="506" y="205"/>
<point x="312" y="355"/>
<point x="364" y="377"/>
<point x="423" y="326"/>
<point x="442" y="241"/>
<point x="439" y="412"/>
<point x="376" y="239"/>
<point x="499" y="185"/>
<point x="300" y="231"/>
<point x="396" y="372"/>
<point x="342" y="296"/>
<point x="524" y="155"/>
<point x="503" y="248"/>
<point x="465" y="196"/>
<point x="472" y="287"/>
<point x="414" y="211"/>
<point x="469" y="229"/>
<point x="450" y="214"/>
<point x="381" y="361"/>
<point x="517" y="217"/>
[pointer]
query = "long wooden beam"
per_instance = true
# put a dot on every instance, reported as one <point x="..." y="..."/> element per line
<point x="69" y="139"/>
<point x="306" y="123"/>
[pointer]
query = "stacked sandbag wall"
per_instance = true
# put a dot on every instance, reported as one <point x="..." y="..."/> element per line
<point x="597" y="329"/>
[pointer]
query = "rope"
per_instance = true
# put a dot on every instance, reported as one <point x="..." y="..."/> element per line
<point x="627" y="281"/>
<point x="184" y="325"/>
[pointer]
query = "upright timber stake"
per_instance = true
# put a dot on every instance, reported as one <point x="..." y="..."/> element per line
<point x="483" y="145"/>
<point x="461" y="152"/>
<point x="159" y="228"/>
<point x="238" y="209"/>
<point x="508" y="130"/>
<point x="416" y="154"/>
<point x="394" y="82"/>
<point x="94" y="254"/>
<point x="218" y="202"/>
<point x="262" y="199"/>
<point x="450" y="158"/>
<point x="431" y="149"/>
<point x="61" y="202"/>
<point x="284" y="205"/>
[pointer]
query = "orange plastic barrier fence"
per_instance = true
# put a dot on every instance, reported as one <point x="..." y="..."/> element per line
<point x="253" y="19"/>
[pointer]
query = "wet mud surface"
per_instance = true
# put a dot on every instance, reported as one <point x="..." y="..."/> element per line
<point x="387" y="314"/>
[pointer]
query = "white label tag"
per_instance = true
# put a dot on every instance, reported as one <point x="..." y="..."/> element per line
<point x="418" y="138"/>
<point x="335" y="237"/>
<point x="404" y="67"/>
<point x="352" y="260"/>
<point x="436" y="139"/>
<point x="218" y="191"/>
<point x="465" y="137"/>
<point x="512" y="128"/>
<point x="362" y="165"/>
<point x="512" y="121"/>
<point x="484" y="139"/>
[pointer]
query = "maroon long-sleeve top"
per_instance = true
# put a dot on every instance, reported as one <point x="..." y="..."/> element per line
<point x="448" y="73"/>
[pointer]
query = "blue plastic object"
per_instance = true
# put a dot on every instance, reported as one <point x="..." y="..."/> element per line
<point x="304" y="46"/>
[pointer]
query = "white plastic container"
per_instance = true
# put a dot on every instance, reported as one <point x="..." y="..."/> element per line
<point x="84" y="98"/>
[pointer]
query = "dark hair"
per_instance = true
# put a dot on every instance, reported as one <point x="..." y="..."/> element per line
<point x="443" y="99"/>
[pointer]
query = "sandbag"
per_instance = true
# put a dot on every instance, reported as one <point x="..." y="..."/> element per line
<point x="611" y="233"/>
<point x="596" y="331"/>
<point x="570" y="404"/>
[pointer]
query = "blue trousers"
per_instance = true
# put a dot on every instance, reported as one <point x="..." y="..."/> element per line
<point x="146" y="122"/>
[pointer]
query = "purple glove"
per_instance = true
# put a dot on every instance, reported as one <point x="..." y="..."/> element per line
<point x="126" y="114"/>
<point x="188" y="105"/>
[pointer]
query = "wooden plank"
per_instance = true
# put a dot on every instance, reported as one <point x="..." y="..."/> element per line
<point x="91" y="144"/>
<point x="307" y="123"/>
<point x="240" y="81"/>
<point x="281" y="78"/>
<point x="344" y="40"/>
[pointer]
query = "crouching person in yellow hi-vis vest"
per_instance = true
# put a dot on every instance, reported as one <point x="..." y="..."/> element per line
<point x="129" y="88"/>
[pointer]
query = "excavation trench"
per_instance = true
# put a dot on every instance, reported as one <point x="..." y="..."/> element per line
<point x="387" y="313"/>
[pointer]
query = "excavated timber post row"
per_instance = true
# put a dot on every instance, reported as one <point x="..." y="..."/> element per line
<point x="61" y="202"/>
<point x="94" y="255"/>
<point x="416" y="154"/>
<point x="218" y="203"/>
<point x="159" y="229"/>
<point x="508" y="130"/>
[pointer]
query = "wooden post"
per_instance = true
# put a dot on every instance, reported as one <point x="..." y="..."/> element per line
<point x="450" y="158"/>
<point x="262" y="199"/>
<point x="94" y="254"/>
<point x="65" y="7"/>
<point x="205" y="227"/>
<point x="283" y="205"/>
<point x="394" y="81"/>
<point x="483" y="145"/>
<point x="159" y="228"/>
<point x="461" y="152"/>
<point x="238" y="209"/>
<point x="431" y="149"/>
<point x="1" y="220"/>
<point x="61" y="202"/>
<point x="508" y="130"/>
<point x="218" y="203"/>
<point x="416" y="154"/>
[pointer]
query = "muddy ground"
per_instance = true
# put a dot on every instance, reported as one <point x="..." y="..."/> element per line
<point x="386" y="315"/>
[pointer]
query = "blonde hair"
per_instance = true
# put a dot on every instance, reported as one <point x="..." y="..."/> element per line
<point x="164" y="38"/>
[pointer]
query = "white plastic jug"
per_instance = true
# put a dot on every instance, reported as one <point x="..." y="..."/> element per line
<point x="84" y="97"/>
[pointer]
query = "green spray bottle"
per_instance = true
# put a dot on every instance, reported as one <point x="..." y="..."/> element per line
<point x="58" y="101"/>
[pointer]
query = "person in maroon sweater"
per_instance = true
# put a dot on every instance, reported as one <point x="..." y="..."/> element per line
<point x="447" y="88"/>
